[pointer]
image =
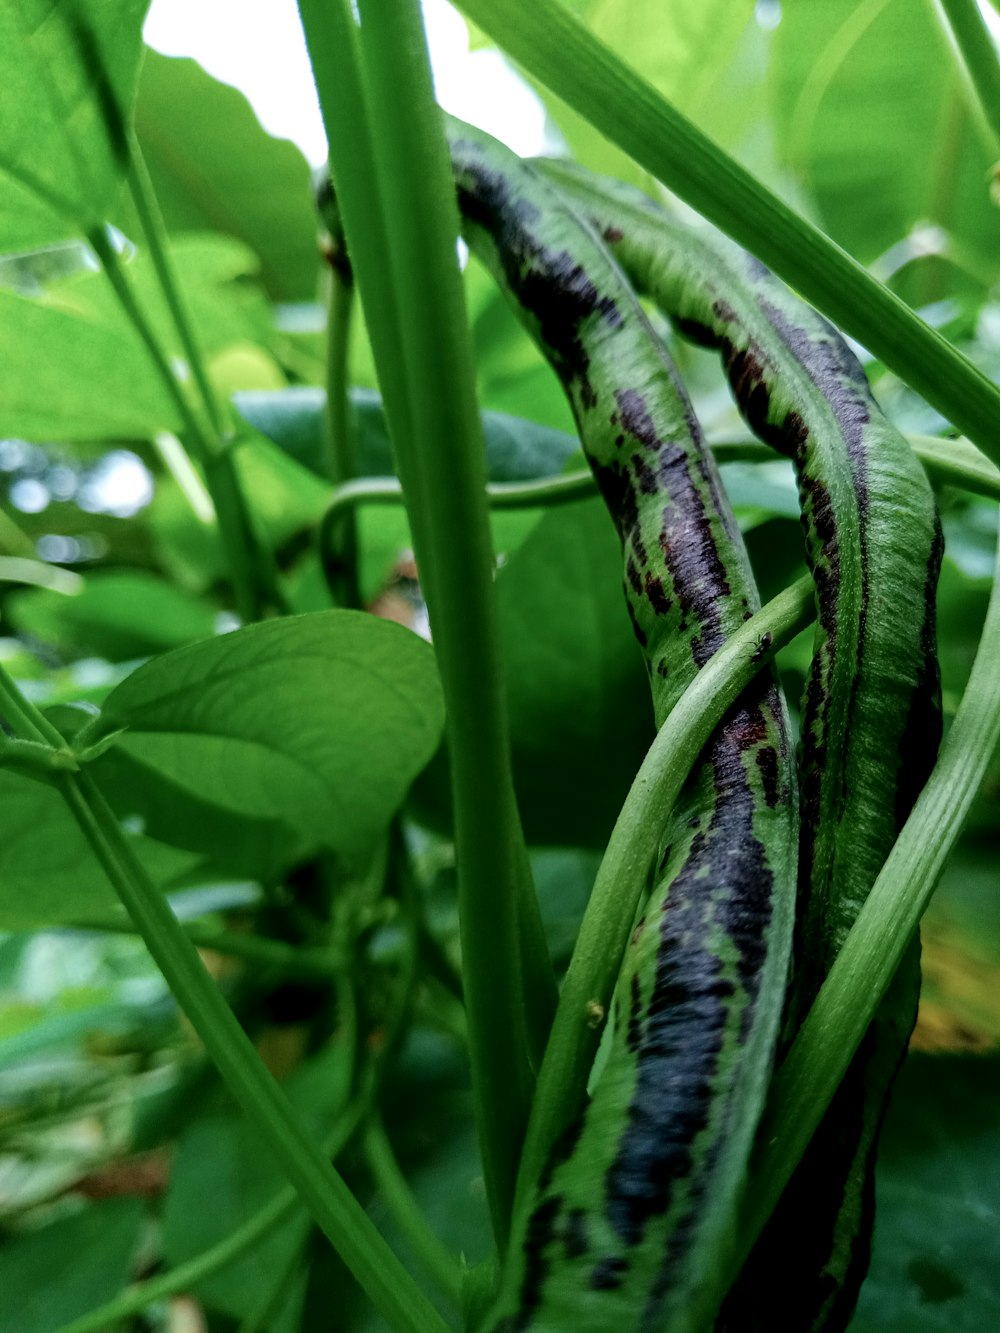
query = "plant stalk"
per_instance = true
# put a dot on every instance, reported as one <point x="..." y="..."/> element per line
<point x="979" y="55"/>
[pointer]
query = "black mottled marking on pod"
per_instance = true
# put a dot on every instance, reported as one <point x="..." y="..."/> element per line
<point x="618" y="493"/>
<point x="637" y="629"/>
<point x="682" y="1035"/>
<point x="610" y="1273"/>
<point x="767" y="764"/>
<point x="658" y="598"/>
<point x="536" y="1262"/>
<point x="574" y="1234"/>
<point x="549" y="284"/>
<point x="922" y="729"/>
<point x="633" y="575"/>
<point x="696" y="332"/>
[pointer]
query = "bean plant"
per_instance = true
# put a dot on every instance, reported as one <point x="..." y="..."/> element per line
<point x="465" y="831"/>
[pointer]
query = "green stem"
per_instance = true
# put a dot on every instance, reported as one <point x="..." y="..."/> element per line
<point x="954" y="462"/>
<point x="155" y="233"/>
<point x="622" y="876"/>
<point x="340" y="551"/>
<point x="24" y="718"/>
<point x="437" y="1260"/>
<point x="557" y="49"/>
<point x="840" y="1016"/>
<point x="322" y="964"/>
<point x="214" y="455"/>
<point x="133" y="1300"/>
<point x="269" y="1309"/>
<point x="979" y="55"/>
<point x="541" y="492"/>
<point x="264" y="1103"/>
<point x="395" y="190"/>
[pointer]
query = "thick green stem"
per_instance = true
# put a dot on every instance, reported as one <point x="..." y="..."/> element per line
<point x="587" y="989"/>
<point x="843" y="1009"/>
<point x="395" y="191"/>
<point x="979" y="55"/>
<point x="555" y="47"/>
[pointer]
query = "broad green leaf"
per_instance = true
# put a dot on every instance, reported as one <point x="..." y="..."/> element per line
<point x="214" y="168"/>
<point x="217" y="280"/>
<point x="69" y="377"/>
<point x="220" y="1178"/>
<point x="48" y="874"/>
<point x="56" y="73"/>
<point x="115" y="615"/>
<point x="875" y="114"/>
<point x="317" y="722"/>
<point x="937" y="1230"/>
<point x="679" y="48"/>
<point x="58" y="1273"/>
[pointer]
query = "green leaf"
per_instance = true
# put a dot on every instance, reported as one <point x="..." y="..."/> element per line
<point x="876" y="116"/>
<point x="48" y="875"/>
<point x="689" y="42"/>
<point x="214" y="168"/>
<point x="53" y="109"/>
<point x="217" y="277"/>
<point x="60" y="1272"/>
<point x="937" y="1232"/>
<point x="115" y="615"/>
<point x="220" y="1178"/>
<point x="318" y="722"/>
<point x="68" y="377"/>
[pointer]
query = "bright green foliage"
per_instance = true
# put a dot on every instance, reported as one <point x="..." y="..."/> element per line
<point x="199" y="722"/>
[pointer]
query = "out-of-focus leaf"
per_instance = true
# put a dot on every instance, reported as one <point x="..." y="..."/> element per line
<point x="937" y="1231"/>
<point x="53" y="109"/>
<point x="115" y="615"/>
<point x="221" y="1177"/>
<point x="960" y="953"/>
<point x="876" y="115"/>
<point x="319" y="723"/>
<point x="69" y="377"/>
<point x="48" y="874"/>
<point x="217" y="280"/>
<point x="679" y="48"/>
<point x="54" y="1275"/>
<point x="215" y="169"/>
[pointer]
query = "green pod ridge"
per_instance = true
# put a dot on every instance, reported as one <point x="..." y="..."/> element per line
<point x="639" y="1202"/>
<point x="871" y="715"/>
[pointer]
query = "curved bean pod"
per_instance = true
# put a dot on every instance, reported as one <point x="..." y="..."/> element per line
<point x="871" y="713"/>
<point x="636" y="1209"/>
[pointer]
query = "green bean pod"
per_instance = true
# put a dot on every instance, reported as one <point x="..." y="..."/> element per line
<point x="871" y="712"/>
<point x="638" y="1205"/>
